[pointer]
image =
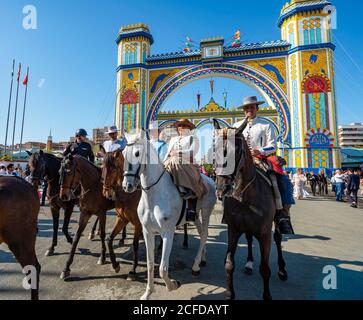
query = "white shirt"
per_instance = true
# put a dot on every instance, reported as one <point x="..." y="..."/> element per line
<point x="260" y="134"/>
<point x="186" y="147"/>
<point x="113" y="145"/>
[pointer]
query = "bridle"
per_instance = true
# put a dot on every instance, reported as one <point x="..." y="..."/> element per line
<point x="63" y="172"/>
<point x="136" y="175"/>
<point x="105" y="187"/>
<point x="237" y="169"/>
<point x="41" y="163"/>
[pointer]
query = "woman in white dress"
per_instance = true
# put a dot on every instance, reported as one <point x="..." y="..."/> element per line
<point x="299" y="181"/>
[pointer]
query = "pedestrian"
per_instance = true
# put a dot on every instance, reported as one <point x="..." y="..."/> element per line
<point x="338" y="180"/>
<point x="299" y="180"/>
<point x="10" y="170"/>
<point x="322" y="183"/>
<point x="3" y="171"/>
<point x="313" y="180"/>
<point x="353" y="188"/>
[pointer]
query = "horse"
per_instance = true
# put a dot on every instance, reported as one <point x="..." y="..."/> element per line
<point x="46" y="166"/>
<point x="126" y="204"/>
<point x="18" y="224"/>
<point x="161" y="206"/>
<point x="242" y="189"/>
<point x="112" y="176"/>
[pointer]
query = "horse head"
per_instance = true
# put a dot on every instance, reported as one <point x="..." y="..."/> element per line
<point x="37" y="167"/>
<point x="135" y="155"/>
<point x="230" y="153"/>
<point x="112" y="173"/>
<point x="69" y="178"/>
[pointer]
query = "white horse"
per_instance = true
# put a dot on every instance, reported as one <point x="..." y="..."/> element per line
<point x="160" y="207"/>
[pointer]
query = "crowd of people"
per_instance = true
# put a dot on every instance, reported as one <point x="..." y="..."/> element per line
<point x="347" y="185"/>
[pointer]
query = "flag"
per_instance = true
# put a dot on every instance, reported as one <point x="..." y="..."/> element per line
<point x="237" y="35"/>
<point x="18" y="77"/>
<point x="198" y="98"/>
<point x="25" y="82"/>
<point x="212" y="86"/>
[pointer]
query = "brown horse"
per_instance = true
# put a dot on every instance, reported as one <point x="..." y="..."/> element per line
<point x="126" y="203"/>
<point x="18" y="223"/>
<point x="249" y="205"/>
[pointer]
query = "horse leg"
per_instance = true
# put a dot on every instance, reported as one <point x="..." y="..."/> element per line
<point x="202" y="227"/>
<point x="185" y="241"/>
<point x="102" y="228"/>
<point x="25" y="254"/>
<point x="150" y="253"/>
<point x="83" y="219"/>
<point x="233" y="237"/>
<point x="265" y="248"/>
<point x="91" y="236"/>
<point x="123" y="237"/>
<point x="164" y="263"/>
<point x="135" y="245"/>
<point x="281" y="262"/>
<point x="55" y="216"/>
<point x="249" y="265"/>
<point x="119" y="225"/>
<point x="67" y="218"/>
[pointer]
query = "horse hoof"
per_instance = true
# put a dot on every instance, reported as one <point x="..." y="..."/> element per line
<point x="185" y="247"/>
<point x="203" y="263"/>
<point x="91" y="236"/>
<point x="248" y="271"/>
<point x="65" y="274"/>
<point x="70" y="241"/>
<point x="101" y="262"/>
<point x="283" y="276"/>
<point x="229" y="296"/>
<point x="131" y="276"/>
<point x="267" y="298"/>
<point x="49" y="252"/>
<point x="195" y="273"/>
<point x="117" y="268"/>
<point x="177" y="284"/>
<point x="121" y="243"/>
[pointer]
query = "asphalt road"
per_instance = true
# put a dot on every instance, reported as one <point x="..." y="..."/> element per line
<point x="327" y="234"/>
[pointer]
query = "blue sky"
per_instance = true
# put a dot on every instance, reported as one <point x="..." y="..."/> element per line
<point x="72" y="55"/>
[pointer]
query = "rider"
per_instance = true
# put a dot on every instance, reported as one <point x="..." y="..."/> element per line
<point x="156" y="141"/>
<point x="180" y="163"/>
<point x="80" y="146"/>
<point x="262" y="141"/>
<point x="114" y="143"/>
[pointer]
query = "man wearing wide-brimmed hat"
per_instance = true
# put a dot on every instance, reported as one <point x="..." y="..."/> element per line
<point x="114" y="143"/>
<point x="180" y="163"/>
<point x="261" y="138"/>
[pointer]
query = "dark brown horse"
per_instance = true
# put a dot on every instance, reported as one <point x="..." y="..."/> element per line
<point x="126" y="203"/>
<point x="45" y="166"/>
<point x="249" y="205"/>
<point x="18" y="222"/>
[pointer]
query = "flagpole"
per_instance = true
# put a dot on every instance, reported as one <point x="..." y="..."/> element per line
<point x="16" y="109"/>
<point x="22" y="123"/>
<point x="9" y="107"/>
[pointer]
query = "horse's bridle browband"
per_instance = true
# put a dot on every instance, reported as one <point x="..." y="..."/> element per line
<point x="70" y="186"/>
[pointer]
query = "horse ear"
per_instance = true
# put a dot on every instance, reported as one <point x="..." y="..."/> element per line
<point x="102" y="149"/>
<point x="216" y="124"/>
<point x="29" y="153"/>
<point x="118" y="153"/>
<point x="41" y="152"/>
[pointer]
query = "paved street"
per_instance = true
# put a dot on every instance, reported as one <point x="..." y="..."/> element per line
<point x="327" y="233"/>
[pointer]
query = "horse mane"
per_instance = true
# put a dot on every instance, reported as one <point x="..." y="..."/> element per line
<point x="89" y="162"/>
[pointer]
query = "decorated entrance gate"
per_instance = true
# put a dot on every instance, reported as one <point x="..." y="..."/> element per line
<point x="295" y="75"/>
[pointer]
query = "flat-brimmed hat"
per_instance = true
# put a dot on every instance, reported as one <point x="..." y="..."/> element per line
<point x="112" y="129"/>
<point x="184" y="122"/>
<point x="248" y="101"/>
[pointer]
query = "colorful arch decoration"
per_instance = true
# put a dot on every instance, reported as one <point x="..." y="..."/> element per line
<point x="240" y="72"/>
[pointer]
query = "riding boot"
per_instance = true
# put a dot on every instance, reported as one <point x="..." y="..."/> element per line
<point x="192" y="210"/>
<point x="276" y="191"/>
<point x="283" y="220"/>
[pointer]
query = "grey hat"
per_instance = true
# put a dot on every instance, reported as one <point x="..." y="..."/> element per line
<point x="247" y="101"/>
<point x="112" y="129"/>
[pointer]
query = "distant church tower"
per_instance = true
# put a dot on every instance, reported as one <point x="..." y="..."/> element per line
<point x="50" y="141"/>
<point x="307" y="26"/>
<point x="133" y="43"/>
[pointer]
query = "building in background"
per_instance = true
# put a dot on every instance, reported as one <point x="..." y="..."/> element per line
<point x="99" y="135"/>
<point x="351" y="136"/>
